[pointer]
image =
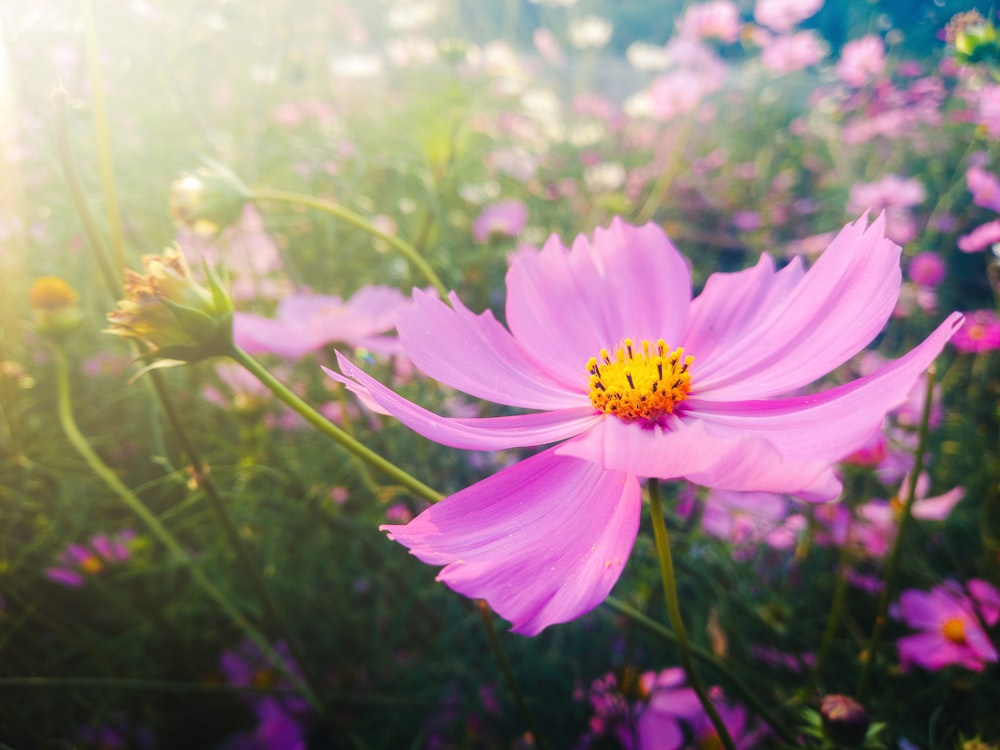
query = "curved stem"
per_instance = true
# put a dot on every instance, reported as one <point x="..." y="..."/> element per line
<point x="711" y="659"/>
<point x="158" y="530"/>
<point x="331" y="430"/>
<point x="674" y="612"/>
<point x="882" y="614"/>
<point x="356" y="220"/>
<point x="246" y="563"/>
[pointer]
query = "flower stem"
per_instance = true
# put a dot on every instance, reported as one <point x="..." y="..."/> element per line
<point x="158" y="530"/>
<point x="751" y="697"/>
<point x="271" y="611"/>
<point x="356" y="220"/>
<point x="882" y="614"/>
<point x="508" y="674"/>
<point x="674" y="612"/>
<point x="331" y="430"/>
<point x="100" y="111"/>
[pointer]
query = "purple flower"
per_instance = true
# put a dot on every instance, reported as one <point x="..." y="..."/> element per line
<point x="861" y="60"/>
<point x="951" y="630"/>
<point x="307" y="322"/>
<point x="543" y="541"/>
<point x="927" y="269"/>
<point x="985" y="188"/>
<point x="506" y="218"/>
<point x="80" y="561"/>
<point x="980" y="238"/>
<point x="980" y="333"/>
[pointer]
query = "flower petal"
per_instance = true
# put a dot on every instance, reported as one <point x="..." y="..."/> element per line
<point x="477" y="355"/>
<point x="542" y="541"/>
<point x="830" y="425"/>
<point x="688" y="449"/>
<point x="836" y="309"/>
<point x="491" y="433"/>
<point x="564" y="306"/>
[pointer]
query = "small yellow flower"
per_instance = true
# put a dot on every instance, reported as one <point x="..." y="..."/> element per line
<point x="56" y="305"/>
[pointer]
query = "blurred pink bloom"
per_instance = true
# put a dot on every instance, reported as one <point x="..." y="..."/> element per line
<point x="988" y="109"/>
<point x="790" y="52"/>
<point x="980" y="332"/>
<point x="734" y="717"/>
<point x="984" y="236"/>
<point x="747" y="519"/>
<point x="80" y="561"/>
<point x="877" y="520"/>
<point x="861" y="60"/>
<point x="505" y="218"/>
<point x="586" y="352"/>
<point x="984" y="186"/>
<point x="927" y="269"/>
<point x="548" y="47"/>
<point x="307" y="322"/>
<point x="783" y="15"/>
<point x="714" y="19"/>
<point x="894" y="195"/>
<point x="951" y="630"/>
<point x="667" y="704"/>
<point x="680" y="91"/>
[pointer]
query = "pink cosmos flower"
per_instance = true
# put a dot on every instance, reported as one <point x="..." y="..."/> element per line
<point x="746" y="519"/>
<point x="790" y="52"/>
<point x="505" y="218"/>
<point x="985" y="188"/>
<point x="783" y="15"/>
<point x="927" y="269"/>
<point x="951" y="633"/>
<point x="80" y="561"/>
<point x="543" y="541"/>
<point x="861" y="60"/>
<point x="984" y="236"/>
<point x="307" y="322"/>
<point x="980" y="333"/>
<point x="715" y="19"/>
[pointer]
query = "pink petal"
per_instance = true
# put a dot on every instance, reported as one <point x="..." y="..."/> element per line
<point x="475" y="354"/>
<point x="830" y="425"/>
<point x="931" y="651"/>
<point x="491" y="433"/>
<point x="688" y="449"/>
<point x="987" y="598"/>
<point x="925" y="610"/>
<point x="836" y="309"/>
<point x="659" y="731"/>
<point x="937" y="508"/>
<point x="542" y="541"/>
<point x="259" y="335"/>
<point x="564" y="306"/>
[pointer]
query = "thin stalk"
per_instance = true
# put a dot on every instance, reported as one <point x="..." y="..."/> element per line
<point x="882" y="614"/>
<point x="158" y="530"/>
<point x="674" y="613"/>
<point x="833" y="618"/>
<point x="331" y="430"/>
<point x="246" y="563"/>
<point x="350" y="217"/>
<point x="103" y="132"/>
<point x="749" y="695"/>
<point x="112" y="278"/>
<point x="666" y="178"/>
<point x="508" y="674"/>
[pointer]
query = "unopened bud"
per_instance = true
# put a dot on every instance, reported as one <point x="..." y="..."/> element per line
<point x="845" y="721"/>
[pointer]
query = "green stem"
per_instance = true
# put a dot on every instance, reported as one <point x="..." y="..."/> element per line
<point x="331" y="430"/>
<point x="347" y="215"/>
<point x="103" y="132"/>
<point x="271" y="611"/>
<point x="882" y="614"/>
<point x="749" y="695"/>
<point x="674" y="612"/>
<point x="137" y="507"/>
<point x="508" y="674"/>
<point x="112" y="278"/>
<point x="833" y="618"/>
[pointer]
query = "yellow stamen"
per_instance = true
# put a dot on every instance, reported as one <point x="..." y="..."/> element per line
<point x="640" y="384"/>
<point x="91" y="564"/>
<point x="953" y="630"/>
<point x="52" y="293"/>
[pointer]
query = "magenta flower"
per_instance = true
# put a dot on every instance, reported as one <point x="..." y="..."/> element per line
<point x="951" y="633"/>
<point x="980" y="333"/>
<point x="78" y="562"/>
<point x="783" y="15"/>
<point x="307" y="322"/>
<point x="861" y="60"/>
<point x="985" y="188"/>
<point x="543" y="541"/>
<point x="984" y="236"/>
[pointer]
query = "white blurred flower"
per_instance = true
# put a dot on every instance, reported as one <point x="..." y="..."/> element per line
<point x="604" y="177"/>
<point x="585" y="133"/>
<point x="410" y="50"/>
<point x="412" y="15"/>
<point x="644" y="56"/>
<point x="555" y="3"/>
<point x="356" y="65"/>
<point x="639" y="105"/>
<point x="589" y="32"/>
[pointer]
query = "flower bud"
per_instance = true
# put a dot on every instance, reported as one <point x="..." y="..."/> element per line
<point x="56" y="306"/>
<point x="208" y="199"/>
<point x="174" y="315"/>
<point x="845" y="721"/>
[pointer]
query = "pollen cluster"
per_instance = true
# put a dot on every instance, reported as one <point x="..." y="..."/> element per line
<point x="639" y="384"/>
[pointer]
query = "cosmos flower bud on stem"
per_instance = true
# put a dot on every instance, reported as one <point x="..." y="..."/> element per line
<point x="171" y="313"/>
<point x="56" y="306"/>
<point x="845" y="721"/>
<point x="208" y="199"/>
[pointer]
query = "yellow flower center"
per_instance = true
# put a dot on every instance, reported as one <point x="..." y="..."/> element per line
<point x="91" y="564"/>
<point x="953" y="630"/>
<point x="639" y="384"/>
<point x="52" y="293"/>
